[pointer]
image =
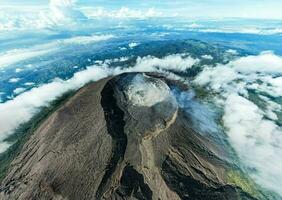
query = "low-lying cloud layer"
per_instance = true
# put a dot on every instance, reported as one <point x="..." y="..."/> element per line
<point x="248" y="88"/>
<point x="257" y="140"/>
<point x="176" y="62"/>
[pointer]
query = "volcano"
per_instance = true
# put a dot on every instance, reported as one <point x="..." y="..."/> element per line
<point x="123" y="137"/>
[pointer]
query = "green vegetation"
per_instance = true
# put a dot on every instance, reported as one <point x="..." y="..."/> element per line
<point x="203" y="93"/>
<point x="237" y="178"/>
<point x="242" y="180"/>
<point x="279" y="115"/>
<point x="22" y="134"/>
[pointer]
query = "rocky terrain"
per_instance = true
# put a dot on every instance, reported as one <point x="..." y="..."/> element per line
<point x="123" y="137"/>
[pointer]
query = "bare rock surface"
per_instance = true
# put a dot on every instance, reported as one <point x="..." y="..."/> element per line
<point x="120" y="138"/>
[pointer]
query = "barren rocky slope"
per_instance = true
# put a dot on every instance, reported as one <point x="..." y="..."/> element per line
<point x="120" y="138"/>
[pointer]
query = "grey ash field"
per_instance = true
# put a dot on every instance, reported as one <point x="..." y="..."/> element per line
<point x="123" y="137"/>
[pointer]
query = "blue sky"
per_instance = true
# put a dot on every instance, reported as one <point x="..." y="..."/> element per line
<point x="267" y="9"/>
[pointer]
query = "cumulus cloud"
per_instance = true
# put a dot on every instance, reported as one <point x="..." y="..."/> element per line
<point x="217" y="78"/>
<point x="251" y="69"/>
<point x="132" y="45"/>
<point x="175" y="62"/>
<point x="63" y="11"/>
<point x="64" y="3"/>
<point x="270" y="85"/>
<point x="29" y="83"/>
<point x="14" y="80"/>
<point x="232" y="51"/>
<point x="59" y="13"/>
<point x="207" y="57"/>
<point x="18" y="70"/>
<point x="123" y="13"/>
<point x="271" y="108"/>
<point x="257" y="140"/>
<point x="4" y="146"/>
<point x="19" y="90"/>
<point x="266" y="62"/>
<point x="253" y="130"/>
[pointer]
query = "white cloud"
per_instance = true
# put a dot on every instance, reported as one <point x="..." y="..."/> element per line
<point x="29" y="83"/>
<point x="64" y="3"/>
<point x="232" y="51"/>
<point x="1" y="94"/>
<point x="132" y="45"/>
<point x="175" y="62"/>
<point x="207" y="57"/>
<point x="257" y="140"/>
<point x="66" y="14"/>
<point x="266" y="62"/>
<point x="251" y="69"/>
<point x="19" y="90"/>
<point x="269" y="85"/>
<point x="276" y="86"/>
<point x="4" y="146"/>
<point x="60" y="13"/>
<point x="121" y="59"/>
<point x="217" y="78"/>
<point x="63" y="11"/>
<point x="17" y="55"/>
<point x="18" y="70"/>
<point x="123" y="13"/>
<point x="14" y="80"/>
<point x="122" y="48"/>
<point x="194" y="25"/>
<point x="87" y="39"/>
<point x="271" y="108"/>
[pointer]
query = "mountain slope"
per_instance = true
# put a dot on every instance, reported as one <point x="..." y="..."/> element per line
<point x="120" y="138"/>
